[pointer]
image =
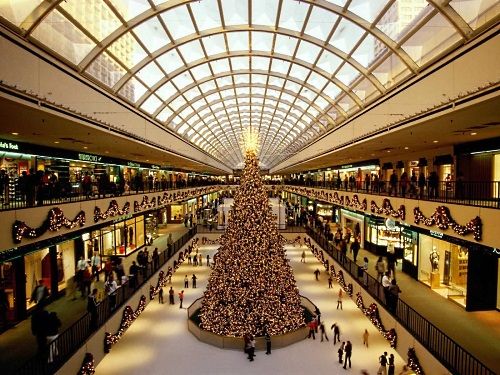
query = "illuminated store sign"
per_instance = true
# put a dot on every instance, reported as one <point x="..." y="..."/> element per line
<point x="88" y="157"/>
<point x="436" y="234"/>
<point x="9" y="146"/>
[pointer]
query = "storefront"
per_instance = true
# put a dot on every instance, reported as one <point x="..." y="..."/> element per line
<point x="120" y="238"/>
<point x="443" y="266"/>
<point x="354" y="223"/>
<point x="383" y="235"/>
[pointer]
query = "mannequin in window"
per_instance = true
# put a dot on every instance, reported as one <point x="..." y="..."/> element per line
<point x="434" y="259"/>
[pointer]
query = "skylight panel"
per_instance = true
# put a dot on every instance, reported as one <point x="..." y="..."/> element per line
<point x="170" y="61"/>
<point x="178" y="22"/>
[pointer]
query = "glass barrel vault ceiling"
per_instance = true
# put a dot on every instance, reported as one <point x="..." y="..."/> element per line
<point x="209" y="69"/>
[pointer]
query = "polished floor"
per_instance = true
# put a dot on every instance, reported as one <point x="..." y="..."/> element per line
<point x="158" y="342"/>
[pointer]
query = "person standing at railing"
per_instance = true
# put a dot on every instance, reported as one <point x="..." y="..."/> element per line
<point x="433" y="185"/>
<point x="380" y="268"/>
<point x="92" y="309"/>
<point x="39" y="319"/>
<point x="156" y="259"/>
<point x="421" y="185"/>
<point x="393" y="184"/>
<point x="355" y="249"/>
<point x="53" y="325"/>
<point x="95" y="262"/>
<point x="403" y="183"/>
<point x="110" y="288"/>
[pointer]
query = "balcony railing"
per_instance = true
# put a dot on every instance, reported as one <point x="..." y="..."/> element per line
<point x="453" y="356"/>
<point x="69" y="341"/>
<point x="482" y="194"/>
<point x="12" y="197"/>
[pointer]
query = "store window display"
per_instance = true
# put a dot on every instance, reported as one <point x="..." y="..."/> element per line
<point x="443" y="266"/>
<point x="37" y="267"/>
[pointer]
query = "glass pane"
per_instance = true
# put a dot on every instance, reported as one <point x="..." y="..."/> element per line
<point x="182" y="80"/>
<point x="177" y="103"/>
<point x="316" y="80"/>
<point x="332" y="90"/>
<point x="191" y="51"/>
<point x="178" y="22"/>
<point x="476" y="12"/>
<point x="224" y="81"/>
<point x="59" y="34"/>
<point x="106" y="70"/>
<point x="130" y="8"/>
<point x="391" y="71"/>
<point x="264" y="12"/>
<point x="127" y="50"/>
<point x="93" y="15"/>
<point x="293" y="14"/>
<point x="152" y="34"/>
<point x="166" y="91"/>
<point x="261" y="63"/>
<point x="320" y="23"/>
<point x="285" y="45"/>
<point x="151" y="104"/>
<point x="170" y="61"/>
<point x="201" y="71"/>
<point x="299" y="72"/>
<point x="150" y="74"/>
<point x="262" y="41"/>
<point x="369" y="10"/>
<point x="329" y="62"/>
<point x="214" y="44"/>
<point x="235" y="12"/>
<point x="280" y="66"/>
<point x="16" y="11"/>
<point x="401" y="15"/>
<point x="238" y="41"/>
<point x="347" y="103"/>
<point x="308" y="51"/>
<point x="430" y="40"/>
<point x="206" y="14"/>
<point x="240" y="63"/>
<point x="364" y="89"/>
<point x="164" y="114"/>
<point x="220" y="66"/>
<point x="132" y="90"/>
<point x="346" y="35"/>
<point x="347" y="74"/>
<point x="369" y="48"/>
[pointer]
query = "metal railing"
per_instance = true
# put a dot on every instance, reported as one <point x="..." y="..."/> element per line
<point x="39" y="195"/>
<point x="482" y="194"/>
<point x="69" y="341"/>
<point x="451" y="354"/>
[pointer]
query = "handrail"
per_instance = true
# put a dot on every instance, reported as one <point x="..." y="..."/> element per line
<point x="46" y="196"/>
<point x="480" y="194"/>
<point x="451" y="354"/>
<point x="69" y="341"/>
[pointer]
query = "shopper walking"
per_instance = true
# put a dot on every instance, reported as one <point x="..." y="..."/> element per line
<point x="355" y="249"/>
<point x="339" y="299"/>
<point x="312" y="329"/>
<point x="92" y="309"/>
<point x="194" y="278"/>
<point x="340" y="352"/>
<point x="391" y="365"/>
<point x="160" y="296"/>
<point x="365" y="338"/>
<point x="348" y="352"/>
<point x="208" y="260"/>
<point x="171" y="296"/>
<point x="186" y="282"/>
<point x="330" y="280"/>
<point x="53" y="325"/>
<point x="336" y="333"/>
<point x="251" y="351"/>
<point x="95" y="262"/>
<point x="323" y="331"/>
<point x="39" y="320"/>
<point x="268" y="343"/>
<point x="200" y="260"/>
<point x="303" y="257"/>
<point x="393" y="296"/>
<point x="316" y="273"/>
<point x="181" y="298"/>
<point x="40" y="293"/>
<point x="382" y="370"/>
<point x="380" y="268"/>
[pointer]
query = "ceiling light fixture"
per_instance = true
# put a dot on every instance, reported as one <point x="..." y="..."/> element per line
<point x="435" y="141"/>
<point x="406" y="147"/>
<point x="14" y="133"/>
<point x="56" y="142"/>
<point x="473" y="133"/>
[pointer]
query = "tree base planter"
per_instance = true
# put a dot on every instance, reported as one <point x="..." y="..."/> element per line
<point x="237" y="343"/>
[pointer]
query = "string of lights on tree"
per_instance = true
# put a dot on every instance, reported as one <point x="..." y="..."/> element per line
<point x="129" y="316"/>
<point x="55" y="221"/>
<point x="251" y="289"/>
<point x="442" y="218"/>
<point x="388" y="210"/>
<point x="113" y="210"/>
<point x="88" y="366"/>
<point x="413" y="362"/>
<point x="373" y="314"/>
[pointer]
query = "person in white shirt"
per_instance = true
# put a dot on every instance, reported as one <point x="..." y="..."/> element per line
<point x="386" y="283"/>
<point x="110" y="287"/>
<point x="95" y="262"/>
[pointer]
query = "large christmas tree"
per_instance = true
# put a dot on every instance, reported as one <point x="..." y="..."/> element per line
<point x="252" y="288"/>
